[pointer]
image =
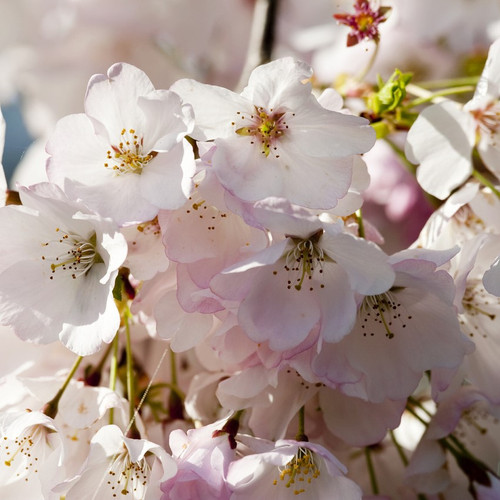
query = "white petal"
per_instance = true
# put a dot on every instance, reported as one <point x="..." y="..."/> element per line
<point x="441" y="140"/>
<point x="214" y="108"/>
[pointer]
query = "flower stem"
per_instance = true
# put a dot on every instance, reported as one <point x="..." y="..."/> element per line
<point x="451" y="82"/>
<point x="416" y="415"/>
<point x="426" y="96"/>
<point x="361" y="226"/>
<point x="485" y="182"/>
<point x="113" y="371"/>
<point x="418" y="404"/>
<point x="371" y="470"/>
<point x="301" y="433"/>
<point x="133" y="431"/>
<point x="93" y="374"/>
<point x="176" y="398"/>
<point x="173" y="369"/>
<point x="50" y="409"/>
<point x="399" y="448"/>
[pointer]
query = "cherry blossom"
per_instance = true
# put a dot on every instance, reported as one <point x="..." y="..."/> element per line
<point x="364" y="22"/>
<point x="126" y="156"/>
<point x="309" y="276"/>
<point x="132" y="468"/>
<point x="288" y="469"/>
<point x="31" y="453"/>
<point x="203" y="456"/>
<point x="74" y="253"/>
<point x="444" y="135"/>
<point x="275" y="138"/>
<point x="470" y="417"/>
<point x="399" y="334"/>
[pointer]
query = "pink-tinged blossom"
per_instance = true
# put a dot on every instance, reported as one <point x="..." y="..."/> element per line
<point x="443" y="137"/>
<point x="146" y="253"/>
<point x="205" y="234"/>
<point x="306" y="278"/>
<point x="364" y="22"/>
<point x="275" y="138"/>
<point x="471" y="420"/>
<point x="479" y="312"/>
<point x="259" y="389"/>
<point x="287" y="469"/>
<point x="127" y="468"/>
<point x="126" y="157"/>
<point x="203" y="456"/>
<point x="57" y="271"/>
<point x="399" y="334"/>
<point x="470" y="218"/>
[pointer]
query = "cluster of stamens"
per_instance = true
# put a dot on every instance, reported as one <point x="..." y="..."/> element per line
<point x="265" y="128"/>
<point x="478" y="304"/>
<point x="299" y="472"/>
<point x="128" y="156"/>
<point x="364" y="23"/>
<point x="127" y="476"/>
<point x="382" y="310"/>
<point x="304" y="259"/>
<point x="78" y="255"/>
<point x="487" y="118"/>
<point x="22" y="448"/>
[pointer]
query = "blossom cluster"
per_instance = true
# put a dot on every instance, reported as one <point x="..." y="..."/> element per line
<point x="220" y="268"/>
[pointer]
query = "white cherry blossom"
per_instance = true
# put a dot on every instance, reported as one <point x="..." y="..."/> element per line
<point x="57" y="271"/>
<point x="131" y="469"/>
<point x="275" y="138"/>
<point x="126" y="157"/>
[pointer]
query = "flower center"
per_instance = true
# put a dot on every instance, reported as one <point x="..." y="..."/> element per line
<point x="480" y="309"/>
<point x="76" y="255"/>
<point x="303" y="260"/>
<point x="22" y="454"/>
<point x="128" y="156"/>
<point x="487" y="118"/>
<point x="299" y="472"/>
<point x="365" y="22"/>
<point x="265" y="127"/>
<point x="128" y="477"/>
<point x="383" y="310"/>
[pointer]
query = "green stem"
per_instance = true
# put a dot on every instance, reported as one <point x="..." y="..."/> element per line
<point x="50" y="409"/>
<point x="361" y="226"/>
<point x="93" y="373"/>
<point x="173" y="369"/>
<point x="301" y="433"/>
<point x="451" y="82"/>
<point x="427" y="96"/>
<point x="418" y="404"/>
<point x="485" y="182"/>
<point x="371" y="470"/>
<point x="417" y="416"/>
<point x="399" y="448"/>
<point x="133" y="431"/>
<point x="113" y="373"/>
<point x="176" y="398"/>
